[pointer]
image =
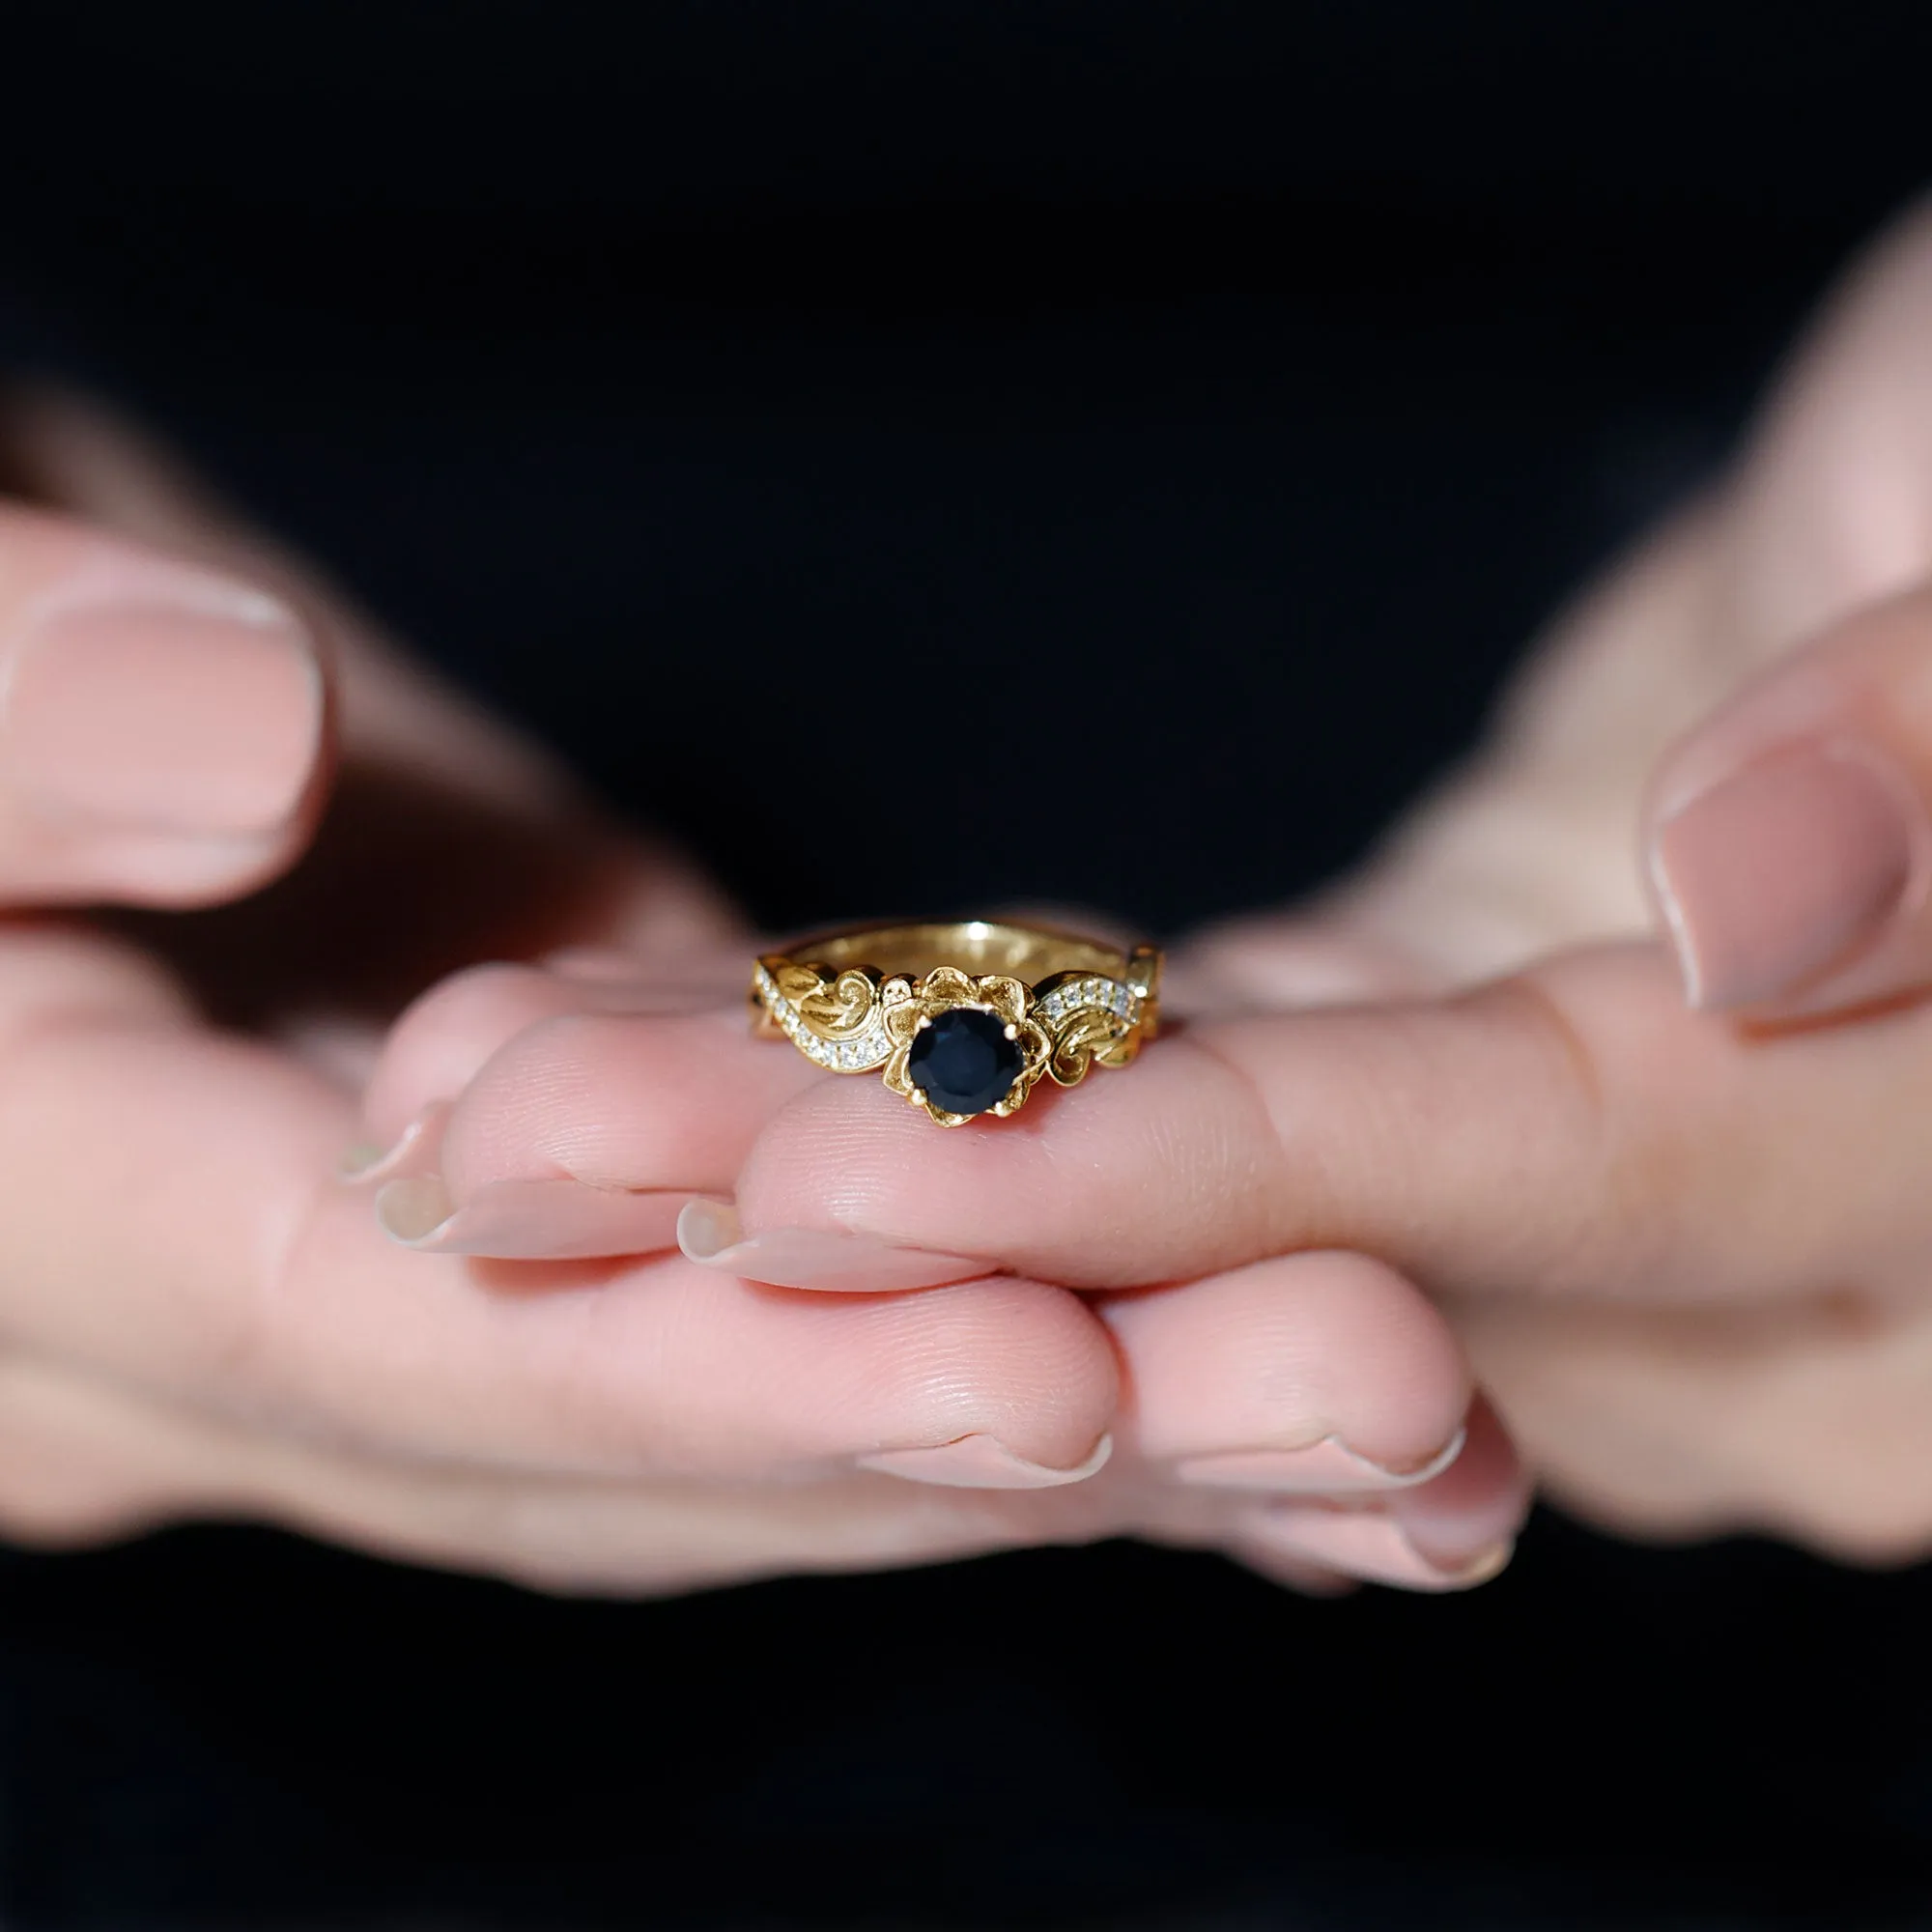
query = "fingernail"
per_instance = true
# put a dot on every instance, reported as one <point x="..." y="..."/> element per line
<point x="1771" y="877"/>
<point x="710" y="1233"/>
<point x="1328" y="1467"/>
<point x="1374" y="1546"/>
<point x="415" y="1150"/>
<point x="982" y="1462"/>
<point x="528" y="1220"/>
<point x="178" y="705"/>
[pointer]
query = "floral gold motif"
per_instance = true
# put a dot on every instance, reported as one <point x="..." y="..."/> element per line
<point x="944" y="989"/>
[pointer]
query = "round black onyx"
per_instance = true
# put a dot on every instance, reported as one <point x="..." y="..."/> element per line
<point x="963" y="1063"/>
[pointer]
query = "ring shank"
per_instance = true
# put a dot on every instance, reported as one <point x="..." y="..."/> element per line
<point x="974" y="946"/>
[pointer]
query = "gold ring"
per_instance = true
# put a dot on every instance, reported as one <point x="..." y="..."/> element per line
<point x="964" y="1017"/>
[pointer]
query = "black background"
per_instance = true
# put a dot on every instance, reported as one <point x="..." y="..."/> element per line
<point x="1213" y="397"/>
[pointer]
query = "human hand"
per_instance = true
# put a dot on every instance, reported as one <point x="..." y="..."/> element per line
<point x="201" y="1319"/>
<point x="1527" y="851"/>
<point x="204" y="1319"/>
<point x="535" y="1118"/>
<point x="1686" y="1251"/>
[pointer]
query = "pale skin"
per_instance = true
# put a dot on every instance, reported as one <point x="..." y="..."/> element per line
<point x="1456" y="1126"/>
<point x="204" y="1319"/>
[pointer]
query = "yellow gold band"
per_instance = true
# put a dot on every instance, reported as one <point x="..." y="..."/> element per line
<point x="964" y="1017"/>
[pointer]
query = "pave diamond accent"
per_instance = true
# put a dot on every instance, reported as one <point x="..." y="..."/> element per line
<point x="864" y="1050"/>
<point x="1092" y="993"/>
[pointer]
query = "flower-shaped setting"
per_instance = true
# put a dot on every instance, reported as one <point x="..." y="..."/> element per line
<point x="963" y="1046"/>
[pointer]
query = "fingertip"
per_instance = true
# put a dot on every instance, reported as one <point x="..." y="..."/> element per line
<point x="440" y="1041"/>
<point x="1019" y="1362"/>
<point x="1326" y="1371"/>
<point x="1367" y="1543"/>
<point x="1475" y="1506"/>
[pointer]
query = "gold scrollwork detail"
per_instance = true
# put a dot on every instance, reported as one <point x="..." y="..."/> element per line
<point x="1087" y="1034"/>
<point x="839" y="1008"/>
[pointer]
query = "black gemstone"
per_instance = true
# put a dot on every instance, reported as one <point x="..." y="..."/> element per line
<point x="963" y="1063"/>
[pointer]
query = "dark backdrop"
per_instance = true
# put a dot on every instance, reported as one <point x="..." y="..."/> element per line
<point x="1236" y="385"/>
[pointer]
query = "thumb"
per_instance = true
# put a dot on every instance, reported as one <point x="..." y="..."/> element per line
<point x="439" y="806"/>
<point x="1788" y="837"/>
<point x="164" y="727"/>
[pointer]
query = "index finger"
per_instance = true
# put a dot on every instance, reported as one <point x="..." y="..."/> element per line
<point x="1574" y="1126"/>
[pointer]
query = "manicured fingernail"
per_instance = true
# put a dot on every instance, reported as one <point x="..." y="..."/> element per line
<point x="1374" y="1547"/>
<point x="1328" y="1467"/>
<point x="982" y="1462"/>
<point x="177" y="705"/>
<point x="528" y="1220"/>
<point x="413" y="1150"/>
<point x="710" y="1233"/>
<point x="1773" y="877"/>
